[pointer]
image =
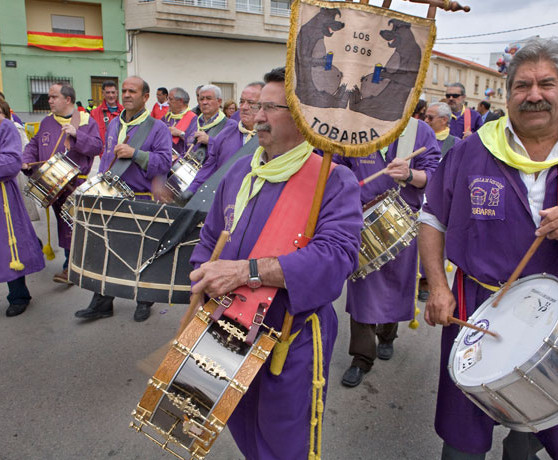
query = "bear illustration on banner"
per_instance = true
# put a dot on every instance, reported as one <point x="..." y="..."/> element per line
<point x="354" y="73"/>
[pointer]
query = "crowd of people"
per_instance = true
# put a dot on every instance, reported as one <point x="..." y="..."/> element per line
<point x="275" y="419"/>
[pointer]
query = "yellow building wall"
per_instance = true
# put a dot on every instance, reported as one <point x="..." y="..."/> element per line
<point x="39" y="15"/>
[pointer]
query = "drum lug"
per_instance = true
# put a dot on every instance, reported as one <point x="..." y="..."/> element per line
<point x="260" y="353"/>
<point x="181" y="348"/>
<point x="233" y="331"/>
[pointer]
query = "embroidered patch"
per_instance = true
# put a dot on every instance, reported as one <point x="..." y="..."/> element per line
<point x="487" y="197"/>
<point x="110" y="142"/>
<point x="228" y="216"/>
<point x="45" y="138"/>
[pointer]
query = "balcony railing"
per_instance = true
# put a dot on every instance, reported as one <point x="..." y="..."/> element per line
<point x="249" y="6"/>
<point x="219" y="4"/>
<point x="275" y="11"/>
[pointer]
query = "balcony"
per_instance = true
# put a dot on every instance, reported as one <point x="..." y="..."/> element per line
<point x="260" y="20"/>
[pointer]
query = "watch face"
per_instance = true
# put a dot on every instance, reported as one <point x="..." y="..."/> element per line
<point x="254" y="283"/>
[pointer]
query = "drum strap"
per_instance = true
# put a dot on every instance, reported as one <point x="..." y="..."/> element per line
<point x="121" y="165"/>
<point x="183" y="124"/>
<point x="74" y="121"/>
<point x="282" y="234"/>
<point x="467" y="121"/>
<point x="406" y="143"/>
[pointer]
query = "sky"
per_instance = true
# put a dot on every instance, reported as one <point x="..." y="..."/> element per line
<point x="487" y="16"/>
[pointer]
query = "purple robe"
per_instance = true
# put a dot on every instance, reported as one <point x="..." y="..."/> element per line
<point x="193" y="128"/>
<point x="180" y="146"/>
<point x="272" y="420"/>
<point x="28" y="247"/>
<point x="158" y="144"/>
<point x="83" y="149"/>
<point x="457" y="125"/>
<point x="221" y="148"/>
<point x="486" y="240"/>
<point x="388" y="295"/>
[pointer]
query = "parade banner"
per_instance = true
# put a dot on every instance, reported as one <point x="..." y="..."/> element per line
<point x="355" y="73"/>
<point x="64" y="42"/>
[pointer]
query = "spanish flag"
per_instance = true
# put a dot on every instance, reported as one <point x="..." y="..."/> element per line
<point x="64" y="42"/>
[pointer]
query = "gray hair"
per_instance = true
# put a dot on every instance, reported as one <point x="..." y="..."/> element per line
<point x="216" y="90"/>
<point x="443" y="109"/>
<point x="182" y="94"/>
<point x="535" y="50"/>
<point x="261" y="84"/>
<point x="458" y="85"/>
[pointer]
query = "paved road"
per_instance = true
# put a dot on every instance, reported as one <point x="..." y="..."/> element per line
<point x="68" y="387"/>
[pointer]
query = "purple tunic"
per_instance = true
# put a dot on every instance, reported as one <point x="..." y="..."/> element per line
<point x="158" y="144"/>
<point x="486" y="239"/>
<point x="83" y="149"/>
<point x="193" y="128"/>
<point x="272" y="420"/>
<point x="28" y="247"/>
<point x="180" y="146"/>
<point x="221" y="148"/>
<point x="388" y="295"/>
<point x="457" y="125"/>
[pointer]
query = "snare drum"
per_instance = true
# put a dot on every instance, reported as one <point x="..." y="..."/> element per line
<point x="199" y="384"/>
<point x="389" y="227"/>
<point x="48" y="182"/>
<point x="100" y="185"/>
<point x="514" y="379"/>
<point x="181" y="176"/>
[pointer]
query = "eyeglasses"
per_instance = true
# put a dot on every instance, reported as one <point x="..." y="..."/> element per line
<point x="453" y="95"/>
<point x="430" y="117"/>
<point x="266" y="107"/>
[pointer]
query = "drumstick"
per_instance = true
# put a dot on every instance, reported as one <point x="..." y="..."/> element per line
<point x="115" y="157"/>
<point x="150" y="364"/>
<point x="35" y="163"/>
<point x="383" y="171"/>
<point x="197" y="297"/>
<point x="459" y="322"/>
<point x="519" y="268"/>
<point x="57" y="143"/>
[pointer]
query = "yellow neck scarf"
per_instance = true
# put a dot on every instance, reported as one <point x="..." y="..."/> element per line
<point x="83" y="119"/>
<point x="124" y="126"/>
<point x="442" y="135"/>
<point x="493" y="136"/>
<point x="210" y="125"/>
<point x="249" y="133"/>
<point x="279" y="169"/>
<point x="457" y="116"/>
<point x="176" y="116"/>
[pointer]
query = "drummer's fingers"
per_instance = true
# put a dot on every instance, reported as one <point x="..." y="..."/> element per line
<point x="427" y="317"/>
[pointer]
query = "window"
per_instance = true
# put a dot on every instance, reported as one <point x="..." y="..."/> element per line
<point x="446" y="75"/>
<point x="280" y="8"/>
<point x="477" y="80"/>
<point x="227" y="90"/>
<point x="249" y="6"/>
<point x="435" y="74"/>
<point x="458" y="75"/>
<point x="68" y="24"/>
<point x="487" y="85"/>
<point x="38" y="91"/>
<point x="219" y="4"/>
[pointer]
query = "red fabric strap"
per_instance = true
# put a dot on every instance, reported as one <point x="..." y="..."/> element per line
<point x="183" y="124"/>
<point x="461" y="296"/>
<point x="282" y="234"/>
<point x="467" y="120"/>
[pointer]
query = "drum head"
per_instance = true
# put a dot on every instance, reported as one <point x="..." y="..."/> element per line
<point x="526" y="315"/>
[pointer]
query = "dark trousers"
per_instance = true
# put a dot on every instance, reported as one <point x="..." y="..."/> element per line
<point x="517" y="446"/>
<point x="362" y="346"/>
<point x="104" y="302"/>
<point x="67" y="259"/>
<point x="18" y="294"/>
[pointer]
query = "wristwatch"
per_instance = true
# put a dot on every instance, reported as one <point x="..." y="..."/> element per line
<point x="410" y="178"/>
<point x="254" y="280"/>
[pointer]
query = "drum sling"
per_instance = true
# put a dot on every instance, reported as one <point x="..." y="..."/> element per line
<point x="182" y="124"/>
<point x="121" y="165"/>
<point x="282" y="234"/>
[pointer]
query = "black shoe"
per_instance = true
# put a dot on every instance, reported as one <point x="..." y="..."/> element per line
<point x="100" y="307"/>
<point x="385" y="351"/>
<point x="16" y="309"/>
<point x="143" y="310"/>
<point x="353" y="376"/>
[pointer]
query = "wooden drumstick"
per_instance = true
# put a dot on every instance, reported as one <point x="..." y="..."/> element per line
<point x="35" y="163"/>
<point x="115" y="157"/>
<point x="197" y="297"/>
<point x="526" y="258"/>
<point x="459" y="322"/>
<point x="383" y="171"/>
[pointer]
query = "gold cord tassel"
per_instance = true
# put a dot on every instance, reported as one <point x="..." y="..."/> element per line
<point x="47" y="249"/>
<point x="15" y="263"/>
<point x="414" y="324"/>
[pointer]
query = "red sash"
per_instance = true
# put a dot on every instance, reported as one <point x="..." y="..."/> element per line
<point x="467" y="120"/>
<point x="183" y="124"/>
<point x="282" y="234"/>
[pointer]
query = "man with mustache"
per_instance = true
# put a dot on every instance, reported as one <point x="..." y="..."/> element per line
<point x="150" y="159"/>
<point x="464" y="121"/>
<point x="492" y="195"/>
<point x="275" y="418"/>
<point x="234" y="136"/>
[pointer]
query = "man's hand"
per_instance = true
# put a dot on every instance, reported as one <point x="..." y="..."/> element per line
<point x="439" y="306"/>
<point x="466" y="134"/>
<point x="175" y="131"/>
<point x="220" y="277"/>
<point x="549" y="223"/>
<point x="201" y="137"/>
<point x="69" y="130"/>
<point x="398" y="169"/>
<point x="25" y="166"/>
<point x="124" y="151"/>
